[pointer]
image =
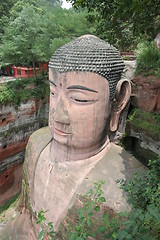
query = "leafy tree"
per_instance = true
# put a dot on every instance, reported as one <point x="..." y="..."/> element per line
<point x="17" y="8"/>
<point x="21" y="42"/>
<point x="51" y="3"/>
<point x="5" y="7"/>
<point x="10" y="9"/>
<point x="34" y="33"/>
<point x="118" y="19"/>
<point x="61" y="26"/>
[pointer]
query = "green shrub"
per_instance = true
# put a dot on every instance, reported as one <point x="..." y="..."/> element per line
<point x="49" y="231"/>
<point x="141" y="223"/>
<point x="91" y="205"/>
<point x="19" y="91"/>
<point x="6" y="94"/>
<point x="143" y="193"/>
<point x="146" y="122"/>
<point x="148" y="59"/>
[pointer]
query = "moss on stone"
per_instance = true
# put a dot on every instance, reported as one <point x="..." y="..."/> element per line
<point x="9" y="203"/>
<point x="146" y="122"/>
<point x="24" y="127"/>
<point x="9" y="93"/>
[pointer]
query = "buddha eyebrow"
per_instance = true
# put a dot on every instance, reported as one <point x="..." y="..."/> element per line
<point x="82" y="88"/>
<point x="52" y="83"/>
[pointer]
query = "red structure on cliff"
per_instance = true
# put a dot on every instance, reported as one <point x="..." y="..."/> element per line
<point x="23" y="72"/>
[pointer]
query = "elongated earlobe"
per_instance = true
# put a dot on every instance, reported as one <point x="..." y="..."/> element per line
<point x="123" y="92"/>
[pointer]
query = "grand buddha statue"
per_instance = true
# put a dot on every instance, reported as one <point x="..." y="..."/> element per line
<point x="87" y="97"/>
<point x="87" y="100"/>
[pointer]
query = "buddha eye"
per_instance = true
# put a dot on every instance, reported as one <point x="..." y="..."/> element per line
<point x="77" y="100"/>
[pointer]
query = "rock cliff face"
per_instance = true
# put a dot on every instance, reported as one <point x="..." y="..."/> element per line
<point x="16" y="125"/>
<point x="146" y="91"/>
<point x="140" y="144"/>
<point x="145" y="96"/>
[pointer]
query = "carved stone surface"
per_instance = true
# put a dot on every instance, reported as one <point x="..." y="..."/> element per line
<point x="57" y="185"/>
<point x="86" y="104"/>
<point x="81" y="119"/>
<point x="89" y="53"/>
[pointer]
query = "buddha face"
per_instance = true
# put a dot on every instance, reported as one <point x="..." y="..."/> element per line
<point x="79" y="108"/>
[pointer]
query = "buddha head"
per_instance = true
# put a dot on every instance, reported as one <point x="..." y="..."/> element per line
<point x="87" y="96"/>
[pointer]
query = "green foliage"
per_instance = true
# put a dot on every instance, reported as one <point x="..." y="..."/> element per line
<point x="143" y="193"/>
<point x="5" y="7"/>
<point x="19" y="44"/>
<point x="60" y="26"/>
<point x="42" y="221"/>
<point x="146" y="122"/>
<point x="39" y="6"/>
<point x="9" y="93"/>
<point x="91" y="204"/>
<point x="121" y="22"/>
<point x="148" y="59"/>
<point x="137" y="225"/>
<point x="9" y="203"/>
<point x="144" y="189"/>
<point x="34" y="31"/>
<point x="6" y="94"/>
<point x="142" y="222"/>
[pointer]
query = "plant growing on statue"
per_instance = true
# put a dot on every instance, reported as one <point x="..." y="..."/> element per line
<point x="42" y="221"/>
<point x="91" y="204"/>
<point x="142" y="222"/>
<point x="143" y="191"/>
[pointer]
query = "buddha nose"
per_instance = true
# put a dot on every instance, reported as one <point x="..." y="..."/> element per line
<point x="61" y="113"/>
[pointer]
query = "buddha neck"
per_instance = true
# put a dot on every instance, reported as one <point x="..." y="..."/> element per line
<point x="63" y="153"/>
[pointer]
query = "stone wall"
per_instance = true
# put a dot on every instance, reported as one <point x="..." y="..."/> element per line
<point x="16" y="125"/>
<point x="145" y="96"/>
<point x="146" y="91"/>
<point x="141" y="145"/>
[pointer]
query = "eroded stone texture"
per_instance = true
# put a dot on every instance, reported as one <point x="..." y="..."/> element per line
<point x="55" y="185"/>
<point x="147" y="93"/>
<point x="64" y="160"/>
<point x="16" y="125"/>
<point x="10" y="181"/>
<point x="90" y="54"/>
<point x="66" y="182"/>
<point x="78" y="151"/>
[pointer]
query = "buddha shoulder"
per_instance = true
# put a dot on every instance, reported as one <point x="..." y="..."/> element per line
<point x="36" y="143"/>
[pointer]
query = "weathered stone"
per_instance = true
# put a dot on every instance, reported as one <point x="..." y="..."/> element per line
<point x="10" y="182"/>
<point x="146" y="142"/>
<point x="116" y="164"/>
<point x="130" y="67"/>
<point x="16" y="125"/>
<point x="146" y="91"/>
<point x="90" y="54"/>
<point x="77" y="149"/>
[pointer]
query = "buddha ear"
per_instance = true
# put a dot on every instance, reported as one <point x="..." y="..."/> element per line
<point x="123" y="92"/>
